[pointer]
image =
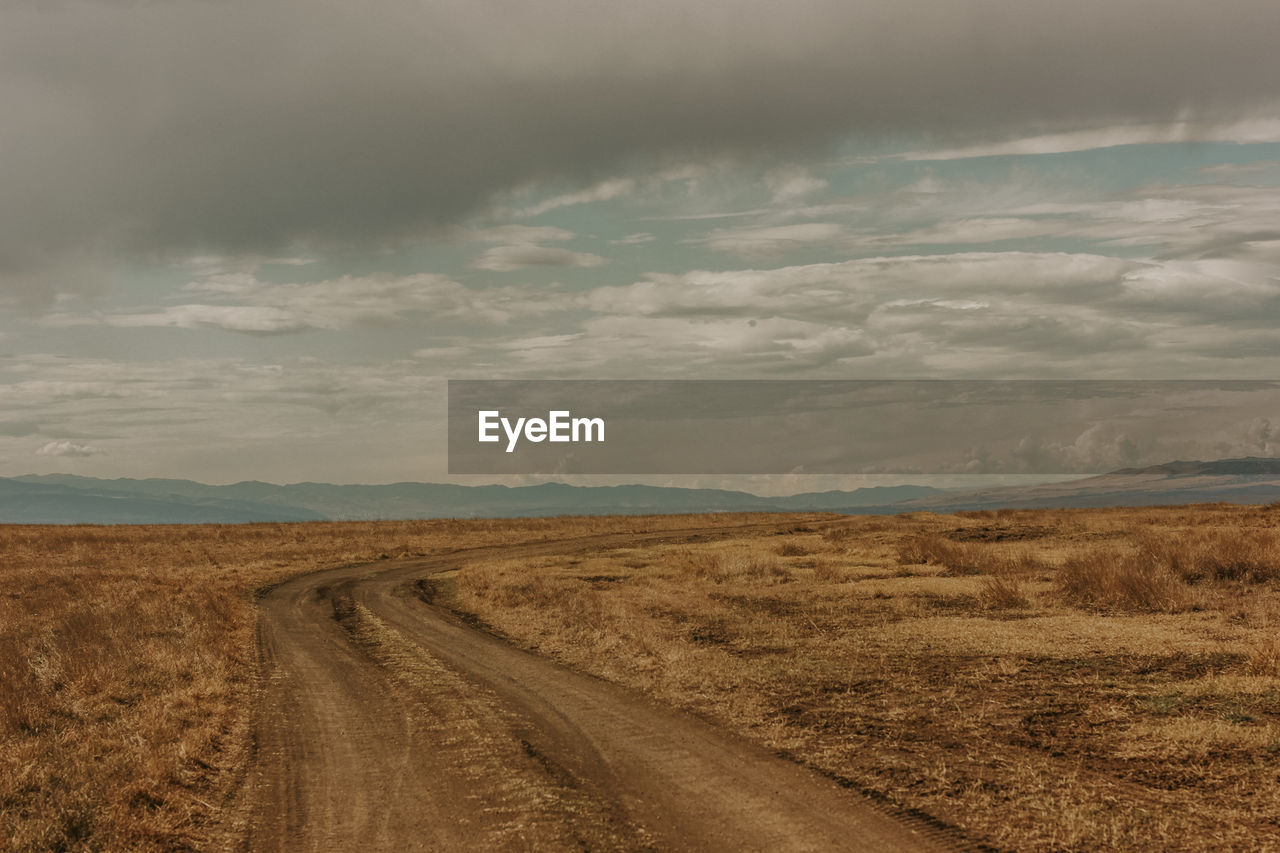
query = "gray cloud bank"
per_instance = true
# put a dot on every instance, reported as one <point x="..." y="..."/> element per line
<point x="152" y="128"/>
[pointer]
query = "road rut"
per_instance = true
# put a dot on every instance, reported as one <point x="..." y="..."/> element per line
<point x="387" y="723"/>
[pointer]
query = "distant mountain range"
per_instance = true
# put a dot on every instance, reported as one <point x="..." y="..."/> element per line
<point x="1251" y="480"/>
<point x="66" y="499"/>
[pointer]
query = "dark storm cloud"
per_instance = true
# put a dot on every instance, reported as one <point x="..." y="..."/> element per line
<point x="235" y="126"/>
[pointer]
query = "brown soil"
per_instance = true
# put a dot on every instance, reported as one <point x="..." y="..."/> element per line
<point x="388" y="723"/>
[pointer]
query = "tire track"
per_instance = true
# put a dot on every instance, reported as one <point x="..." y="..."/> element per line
<point x="389" y="724"/>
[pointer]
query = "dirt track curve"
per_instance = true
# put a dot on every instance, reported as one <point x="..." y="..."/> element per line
<point x="389" y="724"/>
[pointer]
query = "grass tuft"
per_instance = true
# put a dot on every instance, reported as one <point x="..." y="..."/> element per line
<point x="958" y="558"/>
<point x="1004" y="591"/>
<point x="1108" y="578"/>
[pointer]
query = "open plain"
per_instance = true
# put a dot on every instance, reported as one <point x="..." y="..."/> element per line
<point x="1040" y="680"/>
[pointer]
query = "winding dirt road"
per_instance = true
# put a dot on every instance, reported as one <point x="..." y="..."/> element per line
<point x="389" y="724"/>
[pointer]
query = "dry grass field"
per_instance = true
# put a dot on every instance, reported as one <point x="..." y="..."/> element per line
<point x="127" y="663"/>
<point x="1042" y="680"/>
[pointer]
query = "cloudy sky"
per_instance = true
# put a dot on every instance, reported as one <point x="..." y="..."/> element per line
<point x="251" y="240"/>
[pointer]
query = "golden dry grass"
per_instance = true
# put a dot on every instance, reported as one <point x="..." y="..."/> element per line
<point x="127" y="663"/>
<point x="1043" y="680"/>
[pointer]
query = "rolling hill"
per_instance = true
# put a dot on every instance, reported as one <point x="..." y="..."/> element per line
<point x="66" y="499"/>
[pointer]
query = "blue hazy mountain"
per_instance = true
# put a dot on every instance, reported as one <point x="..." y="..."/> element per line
<point x="95" y="501"/>
<point x="67" y="499"/>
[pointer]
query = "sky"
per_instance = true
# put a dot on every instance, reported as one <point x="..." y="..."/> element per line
<point x="252" y="240"/>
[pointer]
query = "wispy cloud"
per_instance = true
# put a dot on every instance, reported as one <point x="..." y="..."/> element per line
<point x="255" y="307"/>
<point x="519" y="257"/>
<point x="1248" y="131"/>
<point x="522" y="249"/>
<point x="513" y="234"/>
<point x="791" y="183"/>
<point x="637" y="239"/>
<point x="603" y="191"/>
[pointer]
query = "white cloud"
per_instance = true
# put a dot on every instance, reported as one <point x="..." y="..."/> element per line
<point x="1207" y="289"/>
<point x="514" y="234"/>
<point x="68" y="449"/>
<point x="603" y="191"/>
<point x="967" y="231"/>
<point x="1210" y="220"/>
<point x="637" y="239"/>
<point x="250" y="319"/>
<point x="518" y="257"/>
<point x="340" y="303"/>
<point x="211" y="265"/>
<point x="848" y="291"/>
<point x="975" y="314"/>
<point x="792" y="183"/>
<point x="623" y="347"/>
<point x="717" y="214"/>
<point x="1249" y="131"/>
<point x="1190" y="221"/>
<point x="1235" y="170"/>
<point x="520" y="248"/>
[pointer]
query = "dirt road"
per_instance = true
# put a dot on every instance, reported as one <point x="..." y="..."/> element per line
<point x="389" y="724"/>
